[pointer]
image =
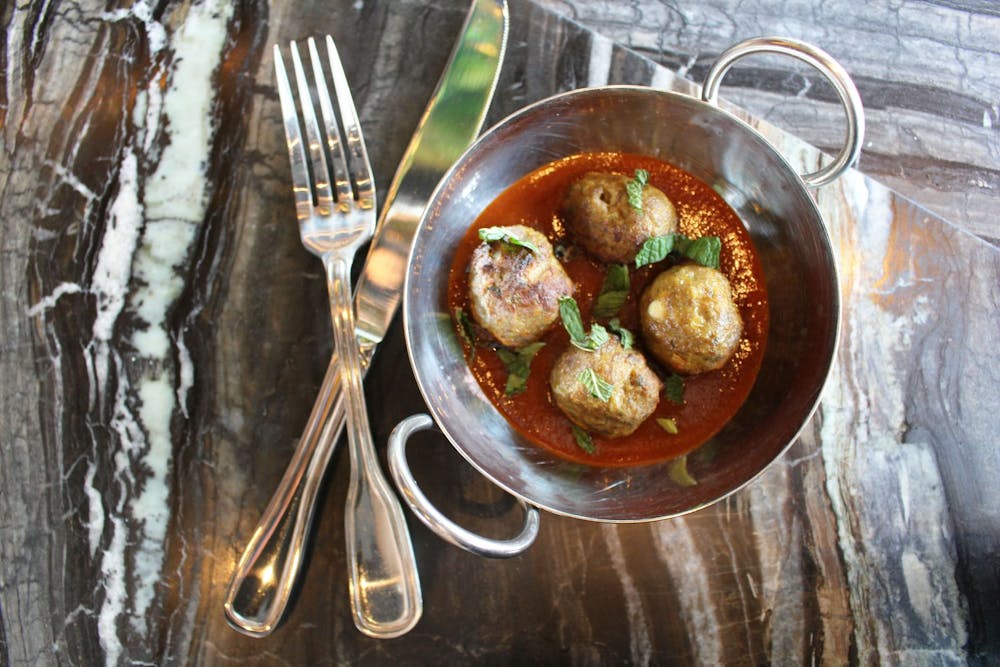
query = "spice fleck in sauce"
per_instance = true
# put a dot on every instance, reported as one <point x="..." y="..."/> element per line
<point x="710" y="399"/>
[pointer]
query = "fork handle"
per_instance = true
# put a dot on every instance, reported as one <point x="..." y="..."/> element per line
<point x="266" y="573"/>
<point x="384" y="585"/>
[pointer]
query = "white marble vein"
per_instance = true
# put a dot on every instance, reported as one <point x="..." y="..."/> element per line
<point x="639" y="643"/>
<point x="780" y="591"/>
<point x="677" y="549"/>
<point x="154" y="221"/>
<point x="887" y="492"/>
<point x="599" y="62"/>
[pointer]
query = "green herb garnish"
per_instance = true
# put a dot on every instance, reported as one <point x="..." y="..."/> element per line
<point x="678" y="472"/>
<point x="598" y="336"/>
<point x="703" y="250"/>
<point x="654" y="249"/>
<point x="614" y="291"/>
<point x="668" y="424"/>
<point x="583" y="439"/>
<point x="570" y="314"/>
<point x="634" y="188"/>
<point x="627" y="337"/>
<point x="518" y="363"/>
<point x="673" y="388"/>
<point x="467" y="330"/>
<point x="597" y="386"/>
<point x="491" y="234"/>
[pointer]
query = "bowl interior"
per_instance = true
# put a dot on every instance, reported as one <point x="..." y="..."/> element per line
<point x="787" y="231"/>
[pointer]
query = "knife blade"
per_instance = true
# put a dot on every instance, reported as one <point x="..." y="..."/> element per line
<point x="269" y="566"/>
<point x="450" y="123"/>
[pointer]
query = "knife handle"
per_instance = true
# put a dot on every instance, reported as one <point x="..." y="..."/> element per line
<point x="269" y="567"/>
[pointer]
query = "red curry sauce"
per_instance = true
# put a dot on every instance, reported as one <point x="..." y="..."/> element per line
<point x="710" y="399"/>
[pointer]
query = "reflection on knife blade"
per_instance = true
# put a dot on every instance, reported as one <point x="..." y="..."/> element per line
<point x="269" y="566"/>
<point x="451" y="121"/>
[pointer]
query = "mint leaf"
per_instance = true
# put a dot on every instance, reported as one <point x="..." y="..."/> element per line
<point x="673" y="388"/>
<point x="668" y="425"/>
<point x="597" y="386"/>
<point x="627" y="338"/>
<point x="634" y="188"/>
<point x="467" y="330"/>
<point x="573" y="323"/>
<point x="518" y="364"/>
<point x="583" y="439"/>
<point x="492" y="234"/>
<point x="678" y="472"/>
<point x="704" y="250"/>
<point x="598" y="336"/>
<point x="614" y="291"/>
<point x="570" y="314"/>
<point x="654" y="249"/>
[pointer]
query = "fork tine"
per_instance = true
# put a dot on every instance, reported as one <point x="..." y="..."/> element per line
<point x="293" y="139"/>
<point x="321" y="174"/>
<point x="361" y="168"/>
<point x="334" y="141"/>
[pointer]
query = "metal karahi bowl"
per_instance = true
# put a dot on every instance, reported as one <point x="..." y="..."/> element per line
<point x="784" y="223"/>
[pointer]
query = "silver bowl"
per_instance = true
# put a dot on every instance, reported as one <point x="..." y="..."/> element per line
<point x="787" y="230"/>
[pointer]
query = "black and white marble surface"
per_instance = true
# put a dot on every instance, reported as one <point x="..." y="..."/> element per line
<point x="164" y="335"/>
<point x="926" y="71"/>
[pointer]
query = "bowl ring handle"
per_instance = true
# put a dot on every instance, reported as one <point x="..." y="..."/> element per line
<point x="833" y="71"/>
<point x="432" y="517"/>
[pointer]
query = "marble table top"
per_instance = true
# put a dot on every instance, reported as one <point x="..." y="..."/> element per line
<point x="165" y="333"/>
<point x="926" y="71"/>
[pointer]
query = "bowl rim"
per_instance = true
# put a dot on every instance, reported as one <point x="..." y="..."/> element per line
<point x="408" y="317"/>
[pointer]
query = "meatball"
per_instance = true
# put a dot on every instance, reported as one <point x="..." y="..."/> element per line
<point x="689" y="319"/>
<point x="635" y="389"/>
<point x="598" y="214"/>
<point x="514" y="291"/>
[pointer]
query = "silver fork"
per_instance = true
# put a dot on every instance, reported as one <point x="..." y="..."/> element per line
<point x="333" y="223"/>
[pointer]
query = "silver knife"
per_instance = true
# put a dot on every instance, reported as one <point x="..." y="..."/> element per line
<point x="269" y="566"/>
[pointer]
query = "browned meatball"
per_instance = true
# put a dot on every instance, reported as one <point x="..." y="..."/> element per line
<point x="689" y="319"/>
<point x="635" y="389"/>
<point x="599" y="216"/>
<point x="514" y="291"/>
